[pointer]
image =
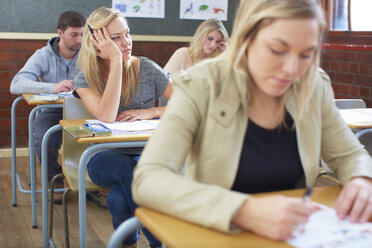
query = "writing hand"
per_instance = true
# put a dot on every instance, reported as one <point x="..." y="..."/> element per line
<point x="136" y="114"/>
<point x="274" y="217"/>
<point x="355" y="200"/>
<point x="106" y="47"/>
<point x="63" y="86"/>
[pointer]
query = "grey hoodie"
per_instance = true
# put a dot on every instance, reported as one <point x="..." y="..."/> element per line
<point x="43" y="70"/>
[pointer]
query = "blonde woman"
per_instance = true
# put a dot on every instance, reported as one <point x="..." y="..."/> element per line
<point x="116" y="86"/>
<point x="255" y="119"/>
<point x="210" y="39"/>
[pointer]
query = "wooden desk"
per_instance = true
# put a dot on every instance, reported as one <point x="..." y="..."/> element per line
<point x="176" y="233"/>
<point x="105" y="139"/>
<point x="38" y="102"/>
<point x="31" y="154"/>
<point x="134" y="140"/>
<point x="357" y="118"/>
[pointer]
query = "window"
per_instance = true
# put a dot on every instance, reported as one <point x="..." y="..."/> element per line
<point x="350" y="21"/>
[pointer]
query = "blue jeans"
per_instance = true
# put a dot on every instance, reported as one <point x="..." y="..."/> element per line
<point x="45" y="119"/>
<point x="112" y="169"/>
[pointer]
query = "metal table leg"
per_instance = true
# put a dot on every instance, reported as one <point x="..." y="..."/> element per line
<point x="82" y="190"/>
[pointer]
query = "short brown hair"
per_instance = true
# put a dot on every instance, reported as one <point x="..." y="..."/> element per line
<point x="70" y="19"/>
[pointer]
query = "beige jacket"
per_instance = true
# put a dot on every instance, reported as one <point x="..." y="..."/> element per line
<point x="205" y="124"/>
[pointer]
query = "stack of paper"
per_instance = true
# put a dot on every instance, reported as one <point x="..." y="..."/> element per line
<point x="135" y="126"/>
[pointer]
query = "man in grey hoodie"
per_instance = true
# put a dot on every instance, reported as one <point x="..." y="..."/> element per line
<point x="51" y="69"/>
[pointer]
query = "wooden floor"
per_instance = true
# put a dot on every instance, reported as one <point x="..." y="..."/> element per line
<point x="16" y="222"/>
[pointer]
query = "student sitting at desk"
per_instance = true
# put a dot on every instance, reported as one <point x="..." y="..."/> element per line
<point x="116" y="86"/>
<point x="210" y="39"/>
<point x="255" y="119"/>
<point x="51" y="69"/>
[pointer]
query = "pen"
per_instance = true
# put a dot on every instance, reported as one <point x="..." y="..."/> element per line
<point x="307" y="194"/>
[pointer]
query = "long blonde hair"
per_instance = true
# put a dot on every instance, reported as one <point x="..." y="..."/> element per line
<point x="201" y="33"/>
<point x="252" y="16"/>
<point x="92" y="66"/>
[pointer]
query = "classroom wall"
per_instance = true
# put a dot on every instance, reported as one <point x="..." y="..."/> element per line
<point x="350" y="69"/>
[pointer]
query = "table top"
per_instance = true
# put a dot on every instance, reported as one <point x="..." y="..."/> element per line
<point x="181" y="234"/>
<point x="38" y="102"/>
<point x="357" y="118"/>
<point x="104" y="139"/>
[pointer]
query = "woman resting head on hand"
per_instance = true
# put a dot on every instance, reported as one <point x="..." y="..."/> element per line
<point x="257" y="118"/>
<point x="116" y="86"/>
<point x="209" y="40"/>
<point x="113" y="84"/>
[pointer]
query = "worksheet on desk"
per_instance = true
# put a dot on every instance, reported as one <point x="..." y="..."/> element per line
<point x="325" y="230"/>
<point x="126" y="126"/>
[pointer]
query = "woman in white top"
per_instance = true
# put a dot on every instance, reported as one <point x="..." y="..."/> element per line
<point x="209" y="40"/>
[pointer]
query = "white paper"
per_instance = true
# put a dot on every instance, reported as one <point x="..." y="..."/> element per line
<point x="325" y="230"/>
<point x="66" y="94"/>
<point x="125" y="126"/>
<point x="203" y="9"/>
<point x="140" y="8"/>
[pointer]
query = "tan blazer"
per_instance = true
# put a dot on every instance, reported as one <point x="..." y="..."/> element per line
<point x="205" y="124"/>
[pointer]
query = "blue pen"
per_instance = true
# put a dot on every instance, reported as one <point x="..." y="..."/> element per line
<point x="307" y="194"/>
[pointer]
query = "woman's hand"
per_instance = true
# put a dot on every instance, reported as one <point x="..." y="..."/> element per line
<point x="137" y="114"/>
<point x="355" y="200"/>
<point x="223" y="45"/>
<point x="274" y="217"/>
<point x="106" y="47"/>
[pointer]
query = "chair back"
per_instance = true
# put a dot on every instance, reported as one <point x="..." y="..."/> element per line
<point x="73" y="108"/>
<point x="350" y="103"/>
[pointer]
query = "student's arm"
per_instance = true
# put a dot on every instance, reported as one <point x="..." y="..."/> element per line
<point x="177" y="60"/>
<point x="105" y="107"/>
<point x="346" y="157"/>
<point x="27" y="79"/>
<point x="146" y="114"/>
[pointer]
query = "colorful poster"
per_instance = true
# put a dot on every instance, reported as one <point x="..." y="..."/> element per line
<point x="140" y="8"/>
<point x="203" y="9"/>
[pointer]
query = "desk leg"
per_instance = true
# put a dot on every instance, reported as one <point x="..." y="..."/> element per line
<point x="44" y="181"/>
<point x="14" y="147"/>
<point x="85" y="156"/>
<point x="31" y="157"/>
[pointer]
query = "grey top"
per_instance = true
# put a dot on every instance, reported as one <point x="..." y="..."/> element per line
<point x="43" y="70"/>
<point x="153" y="81"/>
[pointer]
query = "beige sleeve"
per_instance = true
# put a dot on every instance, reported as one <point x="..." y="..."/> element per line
<point x="341" y="150"/>
<point x="157" y="181"/>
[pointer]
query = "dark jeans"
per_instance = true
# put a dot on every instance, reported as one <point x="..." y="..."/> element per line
<point x="45" y="119"/>
<point x="112" y="169"/>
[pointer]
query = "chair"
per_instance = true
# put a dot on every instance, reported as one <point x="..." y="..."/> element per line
<point x="124" y="229"/>
<point x="350" y="103"/>
<point x="73" y="108"/>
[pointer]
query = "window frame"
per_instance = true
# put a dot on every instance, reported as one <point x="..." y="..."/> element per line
<point x="345" y="37"/>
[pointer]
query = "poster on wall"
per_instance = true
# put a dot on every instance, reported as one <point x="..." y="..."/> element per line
<point x="203" y="9"/>
<point x="140" y="8"/>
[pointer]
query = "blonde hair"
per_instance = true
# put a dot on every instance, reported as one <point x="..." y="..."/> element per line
<point x="92" y="66"/>
<point x="207" y="26"/>
<point x="252" y="16"/>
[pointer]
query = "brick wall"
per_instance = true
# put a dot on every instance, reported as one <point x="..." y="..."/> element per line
<point x="349" y="68"/>
<point x="14" y="54"/>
